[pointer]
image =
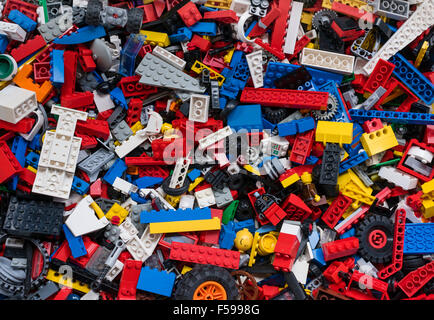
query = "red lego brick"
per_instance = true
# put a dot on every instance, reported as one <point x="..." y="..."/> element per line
<point x="244" y="47"/>
<point x="212" y="236"/>
<point x="261" y="27"/>
<point x="398" y="246"/>
<point x="190" y="14"/>
<point x="91" y="248"/>
<point x="336" y="210"/>
<point x="280" y="25"/>
<point x="131" y="87"/>
<point x="285" y="98"/>
<point x="92" y="127"/>
<point x="429" y="134"/>
<point x="372" y="125"/>
<point x="383" y="195"/>
<point x="275" y="214"/>
<point x="85" y="59"/>
<point x="302" y="147"/>
<point x="149" y="13"/>
<point x="24" y="7"/>
<point x="8" y="163"/>
<point x="22" y="126"/>
<point x="200" y="43"/>
<point x="167" y="149"/>
<point x="27" y="178"/>
<point x="70" y="69"/>
<point x="401" y="166"/>
<point x="77" y="100"/>
<point x="41" y="71"/>
<point x="295" y="208"/>
<point x="63" y="252"/>
<point x="353" y="12"/>
<point x="223" y="16"/>
<point x="368" y="282"/>
<point x="352" y="219"/>
<point x="104" y="115"/>
<point x="130" y="277"/>
<point x="134" y="111"/>
<point x="144" y="161"/>
<point x="340" y="248"/>
<point x="379" y="76"/>
<point x="331" y="274"/>
<point x="347" y="35"/>
<point x="285" y="251"/>
<point x="277" y="52"/>
<point x="205" y="255"/>
<point x="299" y="45"/>
<point x="87" y="142"/>
<point x="28" y="47"/>
<point x="151" y="171"/>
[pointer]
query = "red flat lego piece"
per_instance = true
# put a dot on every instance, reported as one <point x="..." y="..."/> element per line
<point x="27" y="48"/>
<point x="275" y="214"/>
<point x="224" y="16"/>
<point x="92" y="127"/>
<point x="131" y="87"/>
<point x="130" y="277"/>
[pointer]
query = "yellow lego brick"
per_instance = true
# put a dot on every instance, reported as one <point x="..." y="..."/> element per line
<point x="252" y="169"/>
<point x="356" y="195"/>
<point x="378" y="141"/>
<point x="254" y="250"/>
<point x="352" y="3"/>
<point x="290" y="180"/>
<point x="117" y="210"/>
<point x="306" y="18"/>
<point x="219" y="4"/>
<point x="32" y="169"/>
<point x="428" y="208"/>
<point x="428" y="188"/>
<point x="199" y="66"/>
<point x="185" y="269"/>
<point x="156" y="38"/>
<point x="334" y="132"/>
<point x="185" y="226"/>
<point x="421" y="54"/>
<point x="195" y="183"/>
<point x="228" y="56"/>
<point x="67" y="282"/>
<point x="173" y="200"/>
<point x="136" y="127"/>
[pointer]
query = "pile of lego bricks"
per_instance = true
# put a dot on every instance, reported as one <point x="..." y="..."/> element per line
<point x="216" y="149"/>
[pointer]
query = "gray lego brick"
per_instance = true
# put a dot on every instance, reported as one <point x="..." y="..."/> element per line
<point x="122" y="131"/>
<point x="96" y="161"/>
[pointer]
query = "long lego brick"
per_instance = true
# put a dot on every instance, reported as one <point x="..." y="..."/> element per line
<point x="355" y="13"/>
<point x="351" y="219"/>
<point x="419" y="238"/>
<point x="97" y="128"/>
<point x="416" y="279"/>
<point x="70" y="69"/>
<point x="285" y="98"/>
<point x="336" y="210"/>
<point x="185" y="226"/>
<point x="360" y="115"/>
<point x="22" y="126"/>
<point x="175" y="215"/>
<point x="279" y="28"/>
<point x="398" y="246"/>
<point x="329" y="61"/>
<point x="205" y="255"/>
<point x="340" y="248"/>
<point x="142" y="161"/>
<point x="418" y="22"/>
<point x="413" y="78"/>
<point x="379" y="76"/>
<point x="27" y="48"/>
<point x="302" y="147"/>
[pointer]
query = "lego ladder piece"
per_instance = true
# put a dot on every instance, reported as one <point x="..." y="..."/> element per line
<point x="398" y="246"/>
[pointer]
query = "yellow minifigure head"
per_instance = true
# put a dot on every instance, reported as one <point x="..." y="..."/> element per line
<point x="243" y="240"/>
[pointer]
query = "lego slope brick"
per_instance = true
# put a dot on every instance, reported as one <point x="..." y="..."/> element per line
<point x="205" y="255"/>
<point x="9" y="164"/>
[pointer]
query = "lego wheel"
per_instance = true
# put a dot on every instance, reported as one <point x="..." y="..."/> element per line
<point x="135" y="17"/>
<point x="275" y="115"/>
<point x="175" y="191"/>
<point x="206" y="282"/>
<point x="93" y="11"/>
<point x="375" y="234"/>
<point x="246" y="285"/>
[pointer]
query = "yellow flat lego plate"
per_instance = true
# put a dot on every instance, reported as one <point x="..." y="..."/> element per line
<point x="185" y="226"/>
<point x="199" y="66"/>
<point x="67" y="282"/>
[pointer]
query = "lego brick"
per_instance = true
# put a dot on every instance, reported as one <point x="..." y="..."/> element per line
<point x="156" y="38"/>
<point x="294" y="22"/>
<point x="82" y="35"/>
<point x="353" y="161"/>
<point x="129" y="280"/>
<point x="397" y="177"/>
<point x="334" y="132"/>
<point x="392" y="116"/>
<point x="22" y="20"/>
<point x="416" y="238"/>
<point x="416" y="279"/>
<point x="56" y="27"/>
<point x="254" y="60"/>
<point x="379" y="76"/>
<point x="155" y="281"/>
<point x="395" y="9"/>
<point x="245" y="116"/>
<point x="76" y="244"/>
<point x="168" y="57"/>
<point x="175" y="215"/>
<point x="328" y="61"/>
<point x="340" y="248"/>
<point x="199" y="108"/>
<point x="204" y="255"/>
<point x="185" y="226"/>
<point x="336" y="210"/>
<point x="302" y="147"/>
<point x="16" y="103"/>
<point x="379" y="140"/>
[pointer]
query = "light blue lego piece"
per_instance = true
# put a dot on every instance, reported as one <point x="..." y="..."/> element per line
<point x="22" y="20"/>
<point x="419" y="238"/>
<point x="314" y="239"/>
<point x="76" y="244"/>
<point x="249" y="224"/>
<point x="84" y="34"/>
<point x="392" y="116"/>
<point x="155" y="281"/>
<point x="204" y="28"/>
<point x="246" y="117"/>
<point x="353" y="161"/>
<point x="129" y="53"/>
<point x="227" y="236"/>
<point x="57" y="77"/>
<point x="80" y="186"/>
<point x="318" y="256"/>
<point x="146" y="182"/>
<point x="175" y="215"/>
<point x="115" y="171"/>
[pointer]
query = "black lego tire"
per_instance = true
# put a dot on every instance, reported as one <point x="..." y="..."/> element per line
<point x="375" y="234"/>
<point x="188" y="284"/>
<point x="93" y="11"/>
<point x="175" y="191"/>
<point x="135" y="18"/>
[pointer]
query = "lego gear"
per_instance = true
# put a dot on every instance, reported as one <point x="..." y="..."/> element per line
<point x="275" y="115"/>
<point x="323" y="19"/>
<point x="93" y="12"/>
<point x="332" y="109"/>
<point x="214" y="283"/>
<point x="375" y="234"/>
<point x="246" y="285"/>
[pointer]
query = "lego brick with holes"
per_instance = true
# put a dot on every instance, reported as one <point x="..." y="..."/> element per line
<point x="217" y="150"/>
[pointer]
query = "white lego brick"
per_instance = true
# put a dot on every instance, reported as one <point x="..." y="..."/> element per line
<point x="168" y="57"/>
<point x="131" y="143"/>
<point x="179" y="173"/>
<point x="136" y="248"/>
<point x="13" y="31"/>
<point x="53" y="182"/>
<point x="215" y="137"/>
<point x="155" y="122"/>
<point x="124" y="186"/>
<point x="205" y="198"/>
<point x="425" y="156"/>
<point x="419" y="21"/>
<point x="395" y="9"/>
<point x="254" y="61"/>
<point x="67" y="119"/>
<point x="294" y="23"/>
<point x="300" y="270"/>
<point x="16" y="103"/>
<point x="83" y="219"/>
<point x="149" y="242"/>
<point x="114" y="271"/>
<point x="199" y="106"/>
<point x="186" y="201"/>
<point x="328" y="61"/>
<point x="127" y="230"/>
<point x="275" y="146"/>
<point x="103" y="102"/>
<point x="398" y="178"/>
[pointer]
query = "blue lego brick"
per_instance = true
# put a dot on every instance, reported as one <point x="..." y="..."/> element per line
<point x="155" y="281"/>
<point x="348" y="234"/>
<point x="118" y="98"/>
<point x="305" y="124"/>
<point x="32" y="159"/>
<point x="135" y="197"/>
<point x="236" y="58"/>
<point x="413" y="78"/>
<point x="146" y="182"/>
<point x="341" y="113"/>
<point x="222" y="102"/>
<point x="181" y="35"/>
<point x="80" y="186"/>
<point x="419" y="238"/>
<point x="355" y="146"/>
<point x="129" y="53"/>
<point x="76" y="244"/>
<point x="57" y="77"/>
<point x="19" y="146"/>
<point x="353" y="161"/>
<point x="22" y="20"/>
<point x="314" y="239"/>
<point x="204" y="28"/>
<point x="115" y="171"/>
<point x="4" y="41"/>
<point x="249" y="224"/>
<point x="175" y="215"/>
<point x="392" y="116"/>
<point x="267" y="124"/>
<point x="227" y="236"/>
<point x="266" y="228"/>
<point x="276" y="70"/>
<point x="246" y="117"/>
<point x="84" y="34"/>
<point x="287" y="128"/>
<point x="318" y="257"/>
<point x="311" y="160"/>
<point x="194" y="174"/>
